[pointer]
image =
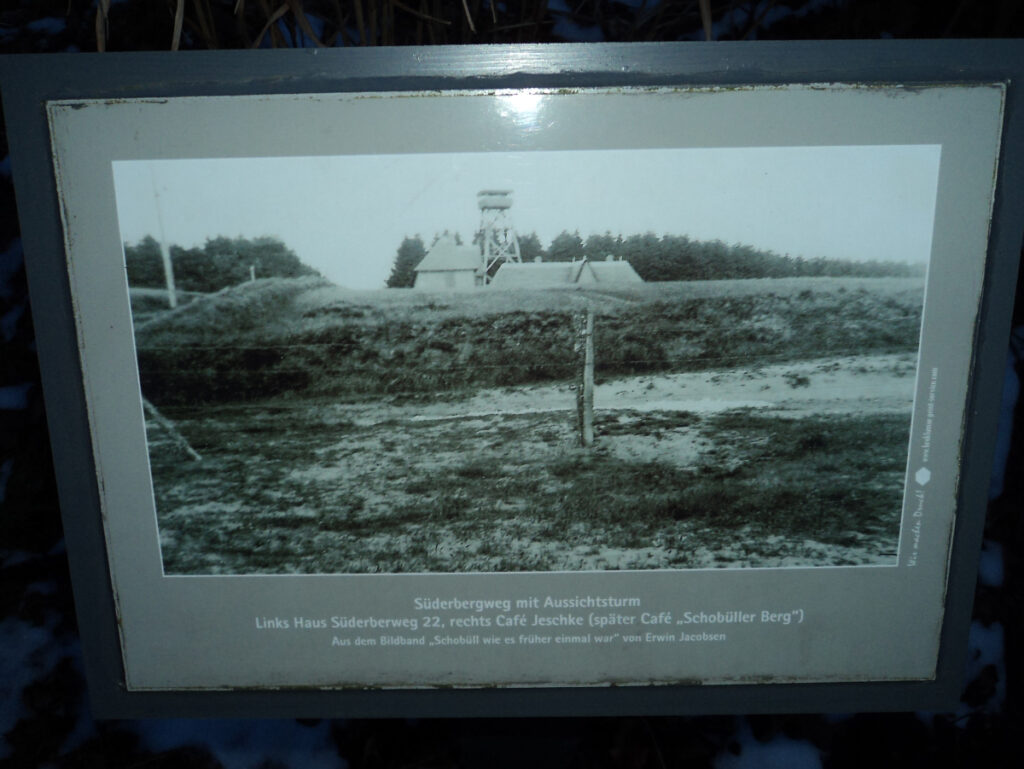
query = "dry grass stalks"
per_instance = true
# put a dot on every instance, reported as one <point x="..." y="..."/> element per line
<point x="210" y="24"/>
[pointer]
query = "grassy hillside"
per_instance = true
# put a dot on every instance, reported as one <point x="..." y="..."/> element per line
<point x="304" y="335"/>
<point x="148" y="303"/>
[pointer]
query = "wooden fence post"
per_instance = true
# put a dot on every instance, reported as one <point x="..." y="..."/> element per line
<point x="585" y="378"/>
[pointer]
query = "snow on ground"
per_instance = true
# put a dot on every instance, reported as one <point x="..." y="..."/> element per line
<point x="986" y="646"/>
<point x="243" y="744"/>
<point x="780" y="752"/>
<point x="28" y="652"/>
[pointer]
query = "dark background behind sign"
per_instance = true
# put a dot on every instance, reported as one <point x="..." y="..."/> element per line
<point x="44" y="715"/>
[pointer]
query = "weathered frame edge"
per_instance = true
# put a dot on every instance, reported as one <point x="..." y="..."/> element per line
<point x="30" y="81"/>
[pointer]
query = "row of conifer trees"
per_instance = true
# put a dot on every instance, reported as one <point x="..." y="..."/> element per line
<point x="670" y="257"/>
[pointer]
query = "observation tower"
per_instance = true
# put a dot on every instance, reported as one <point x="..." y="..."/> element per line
<point x="498" y="240"/>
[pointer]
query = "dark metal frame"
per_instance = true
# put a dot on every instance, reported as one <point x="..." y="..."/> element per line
<point x="30" y="81"/>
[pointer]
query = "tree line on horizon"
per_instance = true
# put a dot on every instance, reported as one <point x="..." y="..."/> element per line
<point x="670" y="257"/>
<point x="219" y="263"/>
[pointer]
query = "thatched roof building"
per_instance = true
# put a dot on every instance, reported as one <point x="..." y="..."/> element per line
<point x="561" y="274"/>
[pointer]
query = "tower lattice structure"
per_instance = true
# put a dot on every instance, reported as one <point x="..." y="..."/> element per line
<point x="498" y="240"/>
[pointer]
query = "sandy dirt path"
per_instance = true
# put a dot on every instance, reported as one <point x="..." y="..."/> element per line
<point x="380" y="482"/>
<point x="841" y="385"/>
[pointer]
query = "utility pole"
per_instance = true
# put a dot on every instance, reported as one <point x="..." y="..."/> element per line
<point x="165" y="251"/>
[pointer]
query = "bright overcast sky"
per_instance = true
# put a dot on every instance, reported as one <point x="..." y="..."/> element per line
<point x="345" y="216"/>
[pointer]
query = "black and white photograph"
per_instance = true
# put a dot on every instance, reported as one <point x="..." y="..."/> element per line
<point x="629" y="381"/>
<point x="594" y="360"/>
<point x="580" y="387"/>
<point x="661" y="388"/>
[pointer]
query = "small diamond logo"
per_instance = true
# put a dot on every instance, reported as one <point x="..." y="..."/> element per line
<point x="922" y="476"/>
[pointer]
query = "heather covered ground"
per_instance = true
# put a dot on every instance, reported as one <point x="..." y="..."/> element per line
<point x="396" y="431"/>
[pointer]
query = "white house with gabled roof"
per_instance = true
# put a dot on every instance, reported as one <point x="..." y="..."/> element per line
<point x="449" y="266"/>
